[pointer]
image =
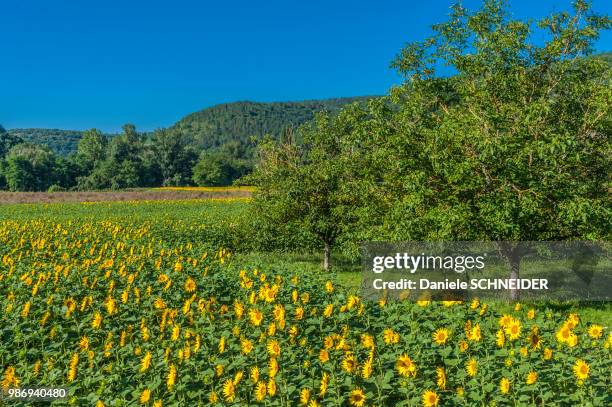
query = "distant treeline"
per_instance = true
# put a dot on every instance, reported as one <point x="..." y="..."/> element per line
<point x="62" y="142"/>
<point x="214" y="146"/>
<point x="128" y="160"/>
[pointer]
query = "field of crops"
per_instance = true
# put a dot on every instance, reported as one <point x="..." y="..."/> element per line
<point x="140" y="303"/>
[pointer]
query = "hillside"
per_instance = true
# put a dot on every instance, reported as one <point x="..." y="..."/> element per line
<point x="239" y="121"/>
<point x="213" y="126"/>
<point x="62" y="142"/>
<point x="606" y="56"/>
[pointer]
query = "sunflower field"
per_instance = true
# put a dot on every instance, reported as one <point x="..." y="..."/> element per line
<point x="124" y="311"/>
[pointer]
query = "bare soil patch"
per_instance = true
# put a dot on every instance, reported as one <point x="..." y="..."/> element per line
<point x="127" y="195"/>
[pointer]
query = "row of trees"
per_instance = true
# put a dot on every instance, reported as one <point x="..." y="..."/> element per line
<point x="167" y="157"/>
<point x="514" y="146"/>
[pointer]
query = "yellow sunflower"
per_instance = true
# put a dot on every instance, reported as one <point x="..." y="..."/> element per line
<point x="405" y="366"/>
<point x="430" y="398"/>
<point x="595" y="331"/>
<point x="271" y="387"/>
<point x="255" y="316"/>
<point x="229" y="390"/>
<point x="500" y="338"/>
<point x="390" y="336"/>
<point x="190" y="285"/>
<point x="532" y="377"/>
<point x="145" y="396"/>
<point x="581" y="370"/>
<point x="323" y="356"/>
<point x="441" y="336"/>
<point x="471" y="367"/>
<point x="534" y="338"/>
<point x="441" y="378"/>
<point x="272" y="367"/>
<point x="563" y="335"/>
<point x="349" y="363"/>
<point x="274" y="349"/>
<point x="504" y="385"/>
<point x="357" y="398"/>
<point x="171" y="378"/>
<point x="324" y="384"/>
<point x="513" y="330"/>
<point x="304" y="396"/>
<point x="505" y="320"/>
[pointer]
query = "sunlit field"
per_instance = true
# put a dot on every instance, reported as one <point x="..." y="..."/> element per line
<point x="208" y="189"/>
<point x="142" y="303"/>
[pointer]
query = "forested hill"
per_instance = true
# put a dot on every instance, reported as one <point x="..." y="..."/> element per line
<point x="606" y="56"/>
<point x="211" y="127"/>
<point x="63" y="142"/>
<point x="216" y="125"/>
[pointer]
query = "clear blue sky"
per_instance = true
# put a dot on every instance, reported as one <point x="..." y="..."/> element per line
<point x="77" y="64"/>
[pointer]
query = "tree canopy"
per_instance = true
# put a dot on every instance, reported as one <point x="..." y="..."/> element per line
<point x="514" y="146"/>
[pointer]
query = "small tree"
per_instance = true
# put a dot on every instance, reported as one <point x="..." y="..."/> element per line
<point x="211" y="170"/>
<point x="91" y="150"/>
<point x="29" y="167"/>
<point x="303" y="184"/>
<point x="174" y="156"/>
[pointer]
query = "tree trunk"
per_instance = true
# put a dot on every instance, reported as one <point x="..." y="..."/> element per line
<point x="327" y="256"/>
<point x="513" y="254"/>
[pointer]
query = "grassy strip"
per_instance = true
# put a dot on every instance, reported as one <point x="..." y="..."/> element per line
<point x="348" y="274"/>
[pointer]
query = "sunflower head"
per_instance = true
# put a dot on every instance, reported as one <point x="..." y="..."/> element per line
<point x="357" y="398"/>
<point x="504" y="385"/>
<point x="405" y="366"/>
<point x="471" y="367"/>
<point x="581" y="370"/>
<point x="430" y="398"/>
<point x="441" y="336"/>
<point x="532" y="377"/>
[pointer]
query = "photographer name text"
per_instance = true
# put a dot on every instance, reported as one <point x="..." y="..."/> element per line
<point x="473" y="284"/>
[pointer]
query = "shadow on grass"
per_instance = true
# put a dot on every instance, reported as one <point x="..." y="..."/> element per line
<point x="348" y="274"/>
<point x="346" y="271"/>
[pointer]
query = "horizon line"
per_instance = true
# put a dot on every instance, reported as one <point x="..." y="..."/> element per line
<point x="117" y="131"/>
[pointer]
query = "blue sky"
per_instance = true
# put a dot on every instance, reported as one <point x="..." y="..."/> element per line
<point x="78" y="64"/>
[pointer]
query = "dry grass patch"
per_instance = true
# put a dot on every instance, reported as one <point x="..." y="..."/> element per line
<point x="127" y="195"/>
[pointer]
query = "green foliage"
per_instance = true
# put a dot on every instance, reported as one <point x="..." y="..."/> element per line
<point x="62" y="142"/>
<point x="123" y="165"/>
<point x="91" y="150"/>
<point x="222" y="166"/>
<point x="304" y="184"/>
<point x="29" y="167"/>
<point x="209" y="128"/>
<point x="7" y="141"/>
<point x="515" y="146"/>
<point x="224" y="137"/>
<point x="162" y="257"/>
<point x="240" y="121"/>
<point x="606" y="56"/>
<point x="174" y="155"/>
<point x="211" y="170"/>
<point x="56" y="188"/>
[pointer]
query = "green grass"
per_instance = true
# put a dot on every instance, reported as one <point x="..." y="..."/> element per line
<point x="344" y="271"/>
<point x="348" y="274"/>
